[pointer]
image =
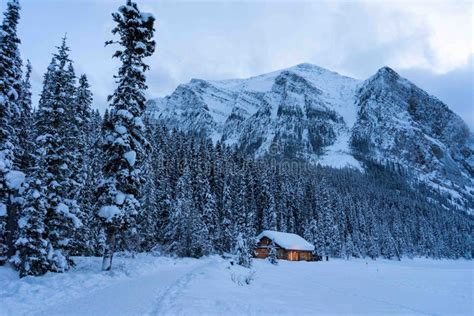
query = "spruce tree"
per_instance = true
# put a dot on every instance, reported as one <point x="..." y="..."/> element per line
<point x="10" y="88"/>
<point x="84" y="155"/>
<point x="125" y="145"/>
<point x="269" y="221"/>
<point x="180" y="226"/>
<point x="24" y="156"/>
<point x="55" y="162"/>
<point x="272" y="255"/>
<point x="25" y="123"/>
<point x="227" y="224"/>
<point x="244" y="220"/>
<point x="241" y="251"/>
<point x="32" y="244"/>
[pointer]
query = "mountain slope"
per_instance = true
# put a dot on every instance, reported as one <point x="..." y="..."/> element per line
<point x="312" y="114"/>
<point x="302" y="112"/>
<point x="401" y="123"/>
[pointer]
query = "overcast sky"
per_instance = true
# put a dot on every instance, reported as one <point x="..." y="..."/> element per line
<point x="430" y="43"/>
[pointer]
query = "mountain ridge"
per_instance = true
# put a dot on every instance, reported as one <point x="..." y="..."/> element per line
<point x="310" y="113"/>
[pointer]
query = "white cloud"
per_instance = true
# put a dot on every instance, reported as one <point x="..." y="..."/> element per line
<point x="224" y="39"/>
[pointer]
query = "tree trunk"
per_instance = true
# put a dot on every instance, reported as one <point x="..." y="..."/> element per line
<point x="109" y="249"/>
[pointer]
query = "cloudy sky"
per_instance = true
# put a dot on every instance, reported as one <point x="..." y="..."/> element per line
<point x="429" y="42"/>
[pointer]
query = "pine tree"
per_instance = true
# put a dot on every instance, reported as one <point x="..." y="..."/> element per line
<point x="125" y="144"/>
<point x="205" y="205"/>
<point x="241" y="251"/>
<point x="272" y="256"/>
<point x="164" y="188"/>
<point x="10" y="89"/>
<point x="227" y="224"/>
<point x="32" y="244"/>
<point x="24" y="156"/>
<point x="55" y="161"/>
<point x="244" y="220"/>
<point x="148" y="219"/>
<point x="85" y="174"/>
<point x="180" y="225"/>
<point x="26" y="121"/>
<point x="269" y="211"/>
<point x="97" y="239"/>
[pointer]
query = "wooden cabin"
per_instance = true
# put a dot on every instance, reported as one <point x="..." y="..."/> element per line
<point x="288" y="246"/>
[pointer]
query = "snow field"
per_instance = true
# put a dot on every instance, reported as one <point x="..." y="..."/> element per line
<point x="149" y="285"/>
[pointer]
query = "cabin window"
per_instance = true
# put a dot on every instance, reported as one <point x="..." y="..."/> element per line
<point x="293" y="255"/>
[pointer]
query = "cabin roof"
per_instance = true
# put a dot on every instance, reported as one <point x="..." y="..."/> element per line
<point x="286" y="240"/>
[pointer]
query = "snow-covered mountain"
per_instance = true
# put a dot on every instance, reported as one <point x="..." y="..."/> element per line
<point x="310" y="113"/>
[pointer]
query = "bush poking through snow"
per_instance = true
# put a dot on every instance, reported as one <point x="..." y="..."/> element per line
<point x="242" y="279"/>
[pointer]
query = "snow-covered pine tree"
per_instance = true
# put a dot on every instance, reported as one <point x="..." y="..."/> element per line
<point x="24" y="156"/>
<point x="85" y="173"/>
<point x="216" y="179"/>
<point x="326" y="213"/>
<point x="244" y="221"/>
<point x="125" y="144"/>
<point x="163" y="186"/>
<point x="148" y="219"/>
<point x="373" y="249"/>
<point x="269" y="220"/>
<point x="84" y="113"/>
<point x="179" y="229"/>
<point x="73" y="139"/>
<point x="272" y="255"/>
<point x="227" y="230"/>
<point x="205" y="204"/>
<point x="241" y="251"/>
<point x="32" y="245"/>
<point x="54" y="160"/>
<point x="25" y="123"/>
<point x="10" y="87"/>
<point x="97" y="239"/>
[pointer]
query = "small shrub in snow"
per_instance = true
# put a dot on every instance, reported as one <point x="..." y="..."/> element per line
<point x="242" y="279"/>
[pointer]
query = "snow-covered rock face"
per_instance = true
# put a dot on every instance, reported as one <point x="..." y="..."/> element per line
<point x="302" y="112"/>
<point x="310" y="113"/>
<point x="400" y="123"/>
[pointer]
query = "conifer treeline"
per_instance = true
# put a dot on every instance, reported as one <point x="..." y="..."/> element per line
<point x="201" y="197"/>
<point x="73" y="183"/>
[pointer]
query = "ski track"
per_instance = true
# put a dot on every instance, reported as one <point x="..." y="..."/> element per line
<point x="164" y="301"/>
<point x="130" y="296"/>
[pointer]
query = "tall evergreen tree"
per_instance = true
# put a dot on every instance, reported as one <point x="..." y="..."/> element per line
<point x="181" y="226"/>
<point x="227" y="224"/>
<point x="125" y="144"/>
<point x="25" y="123"/>
<point x="10" y="88"/>
<point x="85" y="155"/>
<point x="55" y="161"/>
<point x="24" y="156"/>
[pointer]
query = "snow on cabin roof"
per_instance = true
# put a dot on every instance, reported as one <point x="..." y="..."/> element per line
<point x="287" y="240"/>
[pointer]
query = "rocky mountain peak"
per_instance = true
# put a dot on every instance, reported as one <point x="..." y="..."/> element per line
<point x="313" y="114"/>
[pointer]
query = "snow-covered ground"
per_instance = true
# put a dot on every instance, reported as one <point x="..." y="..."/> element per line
<point x="211" y="286"/>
